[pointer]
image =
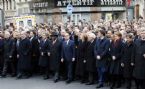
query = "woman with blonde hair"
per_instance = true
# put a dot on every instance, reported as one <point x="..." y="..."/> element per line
<point x="81" y="61"/>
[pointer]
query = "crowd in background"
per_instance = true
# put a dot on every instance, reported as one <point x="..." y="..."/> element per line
<point x="108" y="53"/>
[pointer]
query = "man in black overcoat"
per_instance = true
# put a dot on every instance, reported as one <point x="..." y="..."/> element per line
<point x="34" y="52"/>
<point x="139" y="61"/>
<point x="55" y="57"/>
<point x="8" y="53"/>
<point x="127" y="61"/>
<point x="24" y="61"/>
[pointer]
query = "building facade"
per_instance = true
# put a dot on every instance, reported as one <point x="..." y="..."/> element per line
<point x="56" y="10"/>
<point x="90" y="10"/>
<point x="9" y="8"/>
<point x="139" y="8"/>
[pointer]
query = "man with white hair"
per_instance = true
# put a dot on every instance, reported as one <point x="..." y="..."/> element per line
<point x="139" y="61"/>
<point x="8" y="54"/>
<point x="90" y="58"/>
<point x="24" y="62"/>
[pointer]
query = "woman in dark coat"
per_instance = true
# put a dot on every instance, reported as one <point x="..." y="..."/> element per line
<point x="24" y="55"/>
<point x="127" y="60"/>
<point x="55" y="57"/>
<point x="80" y="66"/>
<point x="116" y="50"/>
<point x="44" y="49"/>
<point x="139" y="63"/>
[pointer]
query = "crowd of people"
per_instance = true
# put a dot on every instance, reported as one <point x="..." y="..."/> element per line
<point x="102" y="52"/>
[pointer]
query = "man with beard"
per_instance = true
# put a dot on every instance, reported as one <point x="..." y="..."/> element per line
<point x="55" y="57"/>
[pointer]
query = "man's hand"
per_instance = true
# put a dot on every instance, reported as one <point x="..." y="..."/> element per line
<point x="62" y="60"/>
<point x="42" y="53"/>
<point x="132" y="64"/>
<point x="98" y="57"/>
<point x="17" y="55"/>
<point x="114" y="58"/>
<point x="84" y="61"/>
<point x="144" y="55"/>
<point x="73" y="59"/>
<point x="48" y="53"/>
<point x="122" y="64"/>
<point x="10" y="56"/>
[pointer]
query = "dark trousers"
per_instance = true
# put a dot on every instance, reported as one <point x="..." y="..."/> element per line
<point x="5" y="67"/>
<point x="140" y="83"/>
<point x="91" y="77"/>
<point x="115" y="80"/>
<point x="44" y="71"/>
<point x="1" y="63"/>
<point x="69" y="68"/>
<point x="101" y="75"/>
<point x="34" y="63"/>
<point x="128" y="82"/>
<point x="24" y="72"/>
<point x="56" y="75"/>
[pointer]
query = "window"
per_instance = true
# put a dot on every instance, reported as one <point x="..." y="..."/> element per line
<point x="7" y="5"/>
<point x="29" y="22"/>
<point x="26" y="10"/>
<point x="14" y="4"/>
<point x="10" y="4"/>
<point x="21" y="23"/>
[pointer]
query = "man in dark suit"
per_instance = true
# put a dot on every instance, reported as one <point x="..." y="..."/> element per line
<point x="8" y="53"/>
<point x="34" y="51"/>
<point x="101" y="49"/>
<point x="127" y="60"/>
<point x="23" y="53"/>
<point x="139" y="61"/>
<point x="68" y="56"/>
